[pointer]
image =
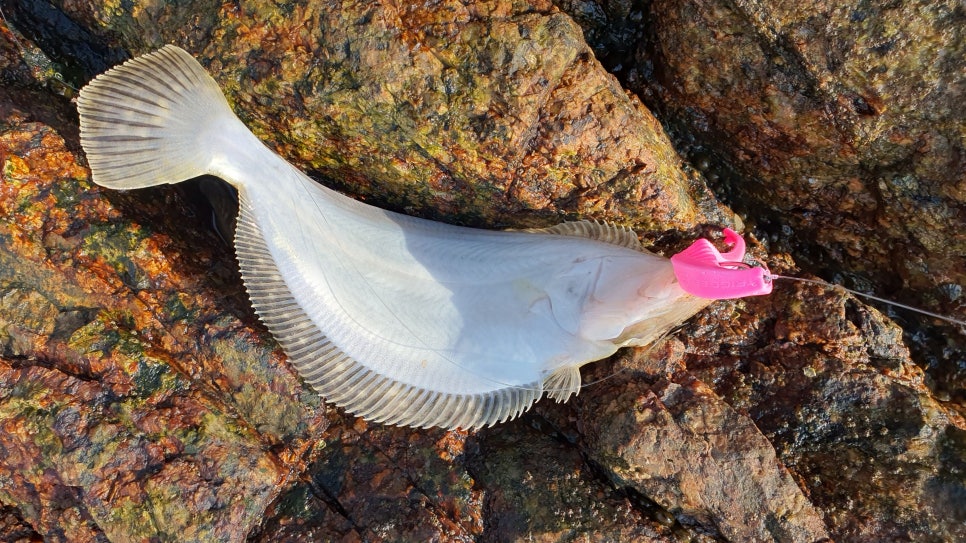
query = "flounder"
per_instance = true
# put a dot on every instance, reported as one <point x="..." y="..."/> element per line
<point x="397" y="319"/>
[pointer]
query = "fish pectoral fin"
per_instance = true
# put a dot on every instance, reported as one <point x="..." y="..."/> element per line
<point x="596" y="230"/>
<point x="563" y="383"/>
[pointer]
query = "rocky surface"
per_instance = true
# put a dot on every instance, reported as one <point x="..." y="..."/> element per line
<point x="133" y="405"/>
<point x="824" y="380"/>
<point x="840" y="123"/>
<point x="141" y="400"/>
<point x="489" y="113"/>
<point x="836" y="130"/>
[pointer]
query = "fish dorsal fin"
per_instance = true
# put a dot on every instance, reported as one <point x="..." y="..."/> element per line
<point x="596" y="230"/>
<point x="563" y="383"/>
<point x="344" y="381"/>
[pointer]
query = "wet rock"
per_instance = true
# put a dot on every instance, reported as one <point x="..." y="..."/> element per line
<point x="841" y="123"/>
<point x="675" y="441"/>
<point x="793" y="417"/>
<point x="14" y="529"/>
<point x="66" y="41"/>
<point x="379" y="483"/>
<point x="140" y="398"/>
<point x="528" y="497"/>
<point x="487" y="113"/>
<point x="835" y="392"/>
<point x="802" y="409"/>
<point x="836" y="130"/>
<point x="105" y="435"/>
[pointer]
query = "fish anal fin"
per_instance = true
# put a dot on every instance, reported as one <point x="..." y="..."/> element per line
<point x="596" y="230"/>
<point x="339" y="378"/>
<point x="563" y="383"/>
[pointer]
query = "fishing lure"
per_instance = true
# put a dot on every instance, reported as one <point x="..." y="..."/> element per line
<point x="398" y="319"/>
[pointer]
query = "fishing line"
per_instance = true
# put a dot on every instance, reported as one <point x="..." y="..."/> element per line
<point x="872" y="297"/>
<point x="647" y="349"/>
<point x="821" y="283"/>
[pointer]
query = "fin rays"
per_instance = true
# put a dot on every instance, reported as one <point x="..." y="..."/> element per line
<point x="596" y="230"/>
<point x="164" y="96"/>
<point x="563" y="383"/>
<point x="161" y="118"/>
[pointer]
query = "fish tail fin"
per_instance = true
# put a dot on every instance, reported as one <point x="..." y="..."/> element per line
<point x="149" y="121"/>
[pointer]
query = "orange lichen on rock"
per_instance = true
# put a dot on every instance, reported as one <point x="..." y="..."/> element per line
<point x="85" y="295"/>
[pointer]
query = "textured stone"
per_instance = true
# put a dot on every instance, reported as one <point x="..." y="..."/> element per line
<point x="835" y="129"/>
<point x="801" y="408"/>
<point x="132" y="404"/>
<point x="675" y="441"/>
<point x="834" y="390"/>
<point x="563" y="500"/>
<point x="105" y="433"/>
<point x="841" y="122"/>
<point x="165" y="408"/>
<point x="141" y="400"/>
<point x="488" y="113"/>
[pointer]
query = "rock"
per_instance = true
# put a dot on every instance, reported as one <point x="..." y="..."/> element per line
<point x="681" y="436"/>
<point x="836" y="393"/>
<point x="484" y="113"/>
<point x="528" y="497"/>
<point x="804" y="410"/>
<point x="836" y="130"/>
<point x="379" y="483"/>
<point x="104" y="322"/>
<point x="13" y="527"/>
<point x="138" y="392"/>
<point x="840" y="123"/>
<point x="140" y="398"/>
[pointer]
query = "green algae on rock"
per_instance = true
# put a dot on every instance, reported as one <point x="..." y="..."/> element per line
<point x="112" y="436"/>
<point x="80" y="377"/>
<point x="156" y="317"/>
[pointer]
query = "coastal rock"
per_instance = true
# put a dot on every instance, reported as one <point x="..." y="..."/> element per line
<point x="136" y="385"/>
<point x="135" y="376"/>
<point x="836" y="130"/>
<point x="130" y="408"/>
<point x="801" y="410"/>
<point x="839" y="123"/>
<point x="486" y="113"/>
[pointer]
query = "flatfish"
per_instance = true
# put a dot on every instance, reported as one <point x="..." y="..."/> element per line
<point x="397" y="319"/>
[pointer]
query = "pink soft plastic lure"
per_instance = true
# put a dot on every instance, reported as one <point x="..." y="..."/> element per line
<point x="703" y="271"/>
<point x="398" y="319"/>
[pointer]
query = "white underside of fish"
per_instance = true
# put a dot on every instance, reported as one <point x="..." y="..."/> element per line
<point x="397" y="319"/>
